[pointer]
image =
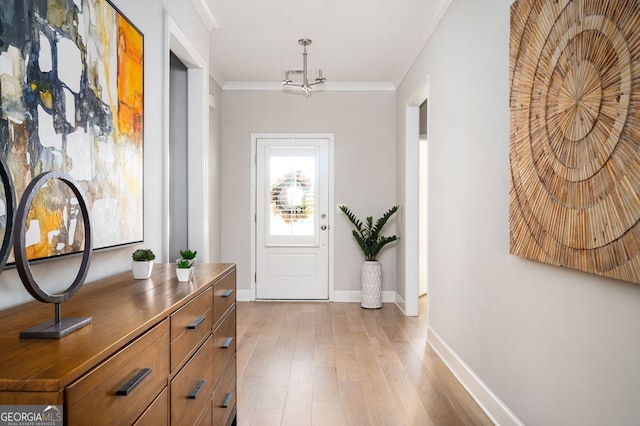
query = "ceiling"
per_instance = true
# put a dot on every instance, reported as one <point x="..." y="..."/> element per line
<point x="354" y="41"/>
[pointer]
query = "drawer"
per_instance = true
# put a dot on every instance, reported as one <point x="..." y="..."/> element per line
<point x="224" y="397"/>
<point x="158" y="412"/>
<point x="192" y="387"/>
<point x="120" y="389"/>
<point x="206" y="419"/>
<point x="190" y="326"/>
<point x="224" y="295"/>
<point x="224" y="343"/>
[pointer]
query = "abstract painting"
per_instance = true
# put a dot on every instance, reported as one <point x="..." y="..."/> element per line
<point x="575" y="134"/>
<point x="71" y="100"/>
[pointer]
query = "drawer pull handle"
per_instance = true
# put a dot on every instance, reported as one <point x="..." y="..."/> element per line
<point x="196" y="323"/>
<point x="227" y="293"/>
<point x="227" y="343"/>
<point x="194" y="393"/>
<point x="134" y="381"/>
<point x="227" y="400"/>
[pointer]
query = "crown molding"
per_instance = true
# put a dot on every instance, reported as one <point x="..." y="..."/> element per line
<point x="205" y="14"/>
<point x="327" y="87"/>
<point x="429" y="27"/>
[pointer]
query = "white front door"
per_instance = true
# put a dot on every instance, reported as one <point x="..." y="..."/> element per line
<point x="292" y="198"/>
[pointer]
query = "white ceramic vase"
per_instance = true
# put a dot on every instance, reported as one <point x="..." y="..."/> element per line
<point x="184" y="274"/>
<point x="141" y="270"/>
<point x="371" y="296"/>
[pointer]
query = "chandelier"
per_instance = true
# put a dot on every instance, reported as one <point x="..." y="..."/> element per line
<point x="305" y="85"/>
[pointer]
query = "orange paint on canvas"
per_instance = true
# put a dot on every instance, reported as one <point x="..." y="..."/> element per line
<point x="50" y="210"/>
<point x="49" y="221"/>
<point x="130" y="80"/>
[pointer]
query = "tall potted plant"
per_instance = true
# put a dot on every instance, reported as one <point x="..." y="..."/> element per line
<point x="371" y="242"/>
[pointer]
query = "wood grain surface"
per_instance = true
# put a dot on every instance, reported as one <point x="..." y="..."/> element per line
<point x="338" y="364"/>
<point x="122" y="308"/>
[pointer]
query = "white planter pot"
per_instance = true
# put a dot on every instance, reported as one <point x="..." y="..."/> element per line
<point x="141" y="270"/>
<point x="371" y="296"/>
<point x="184" y="274"/>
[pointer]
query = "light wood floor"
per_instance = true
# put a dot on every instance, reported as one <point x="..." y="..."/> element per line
<point x="335" y="363"/>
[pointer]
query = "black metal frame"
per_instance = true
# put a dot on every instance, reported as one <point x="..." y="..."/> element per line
<point x="10" y="202"/>
<point x="58" y="327"/>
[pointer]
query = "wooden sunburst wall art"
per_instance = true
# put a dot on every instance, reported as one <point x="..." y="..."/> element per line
<point x="574" y="196"/>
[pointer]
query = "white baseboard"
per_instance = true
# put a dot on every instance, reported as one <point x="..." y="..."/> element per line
<point x="400" y="303"/>
<point x="354" y="296"/>
<point x="243" y="295"/>
<point x="497" y="411"/>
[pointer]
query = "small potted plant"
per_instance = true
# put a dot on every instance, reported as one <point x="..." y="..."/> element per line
<point x="371" y="242"/>
<point x="184" y="270"/>
<point x="142" y="263"/>
<point x="185" y="264"/>
<point x="189" y="255"/>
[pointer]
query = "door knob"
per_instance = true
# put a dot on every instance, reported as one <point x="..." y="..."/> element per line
<point x="323" y="227"/>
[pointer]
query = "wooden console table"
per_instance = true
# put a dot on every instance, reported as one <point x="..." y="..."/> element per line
<point x="158" y="351"/>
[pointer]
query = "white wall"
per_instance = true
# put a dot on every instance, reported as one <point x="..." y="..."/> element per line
<point x="363" y="125"/>
<point x="557" y="346"/>
<point x="149" y="17"/>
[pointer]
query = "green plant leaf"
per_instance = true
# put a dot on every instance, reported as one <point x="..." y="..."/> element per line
<point x="367" y="234"/>
<point x="142" y="255"/>
<point x="188" y="254"/>
<point x="183" y="264"/>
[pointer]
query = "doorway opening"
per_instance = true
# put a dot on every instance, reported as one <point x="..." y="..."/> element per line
<point x="177" y="162"/>
<point x="423" y="187"/>
<point x="415" y="190"/>
<point x="185" y="65"/>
